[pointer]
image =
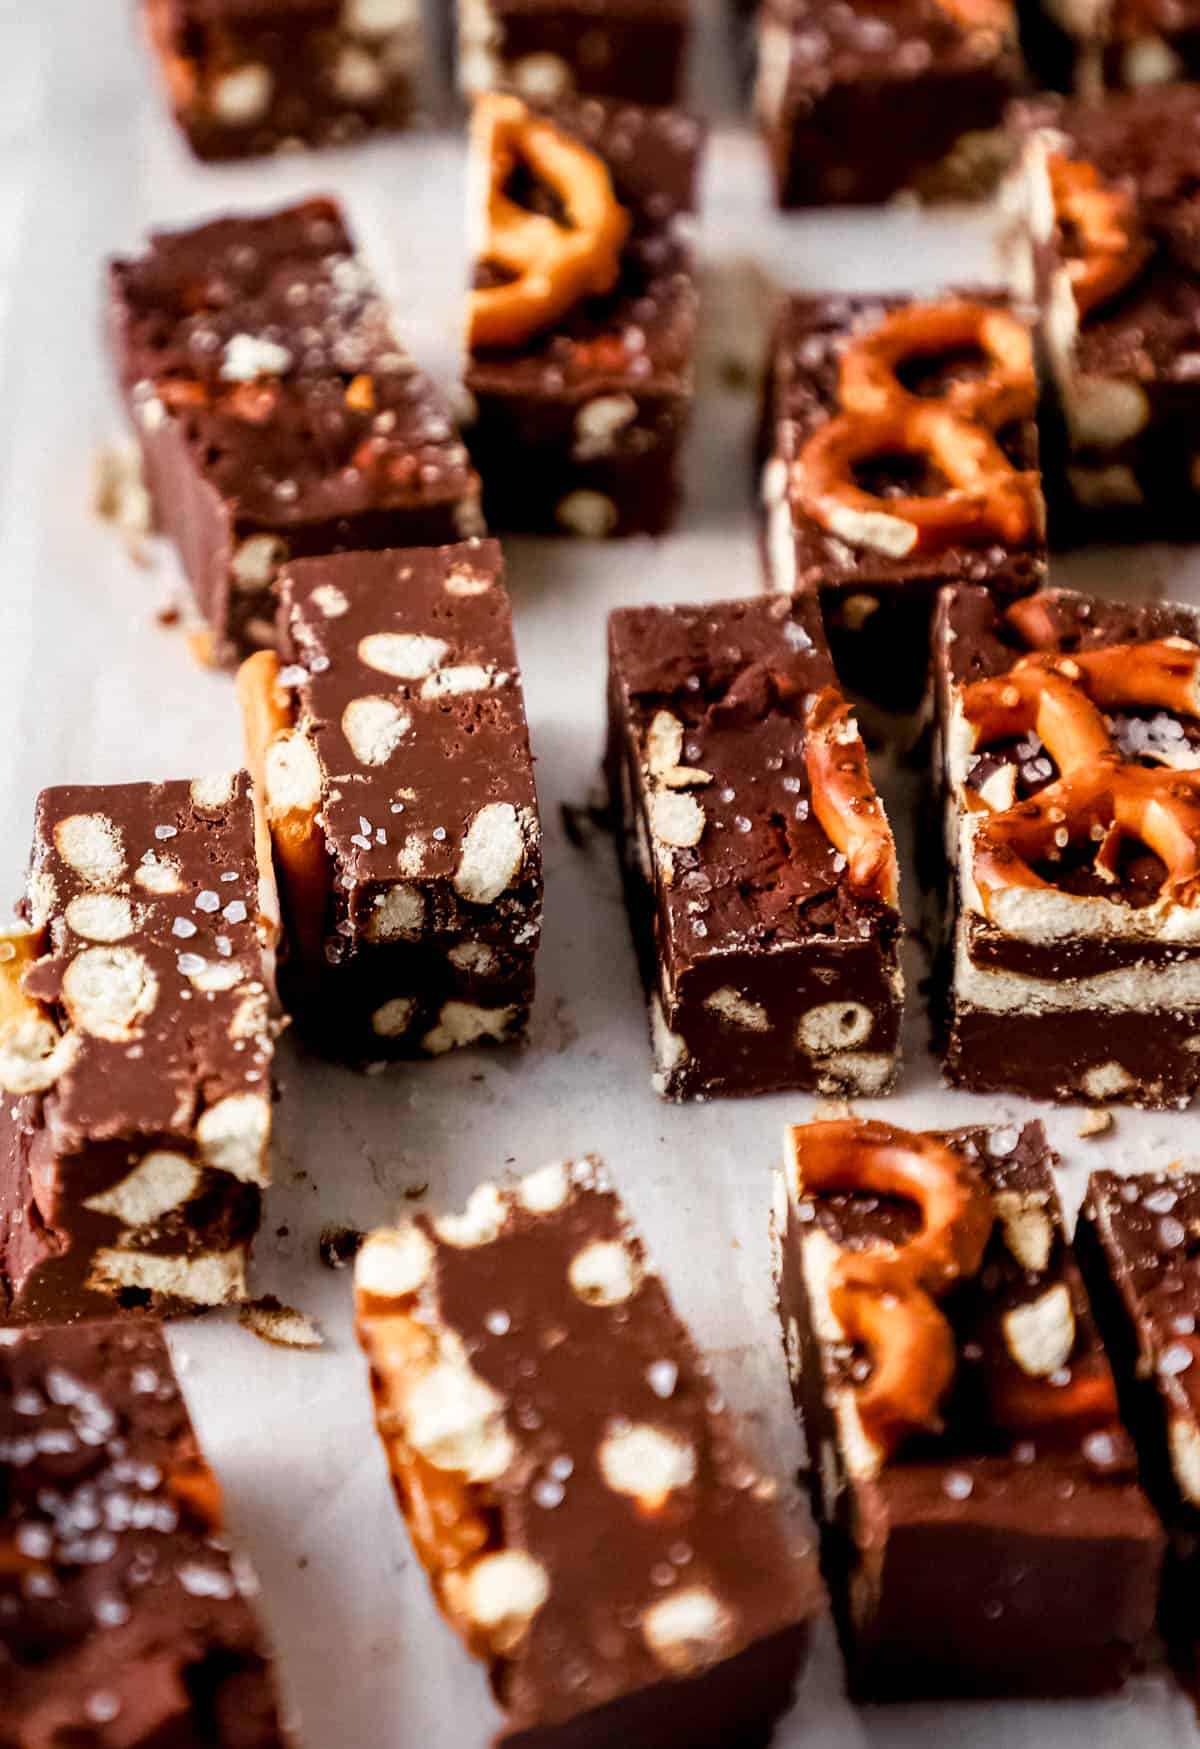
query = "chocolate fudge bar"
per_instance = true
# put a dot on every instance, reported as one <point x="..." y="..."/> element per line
<point x="399" y="793"/>
<point x="542" y="49"/>
<point x="900" y="453"/>
<point x="858" y="102"/>
<point x="1111" y="257"/>
<point x="1137" y="1247"/>
<point x="983" y="1531"/>
<point x="760" y="872"/>
<point x="251" y="76"/>
<point x="591" y="1521"/>
<point x="582" y="320"/>
<point x="277" y="414"/>
<point x="135" y="1054"/>
<point x="1068" y="763"/>
<point x="124" y="1618"/>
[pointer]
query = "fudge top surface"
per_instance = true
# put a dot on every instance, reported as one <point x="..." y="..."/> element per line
<point x="616" y="1465"/>
<point x="985" y="1462"/>
<point x="602" y="11"/>
<point x="810" y="336"/>
<point x="120" y="1586"/>
<point x="264" y="340"/>
<point x="154" y="968"/>
<point x="836" y="44"/>
<point x="640" y="336"/>
<point x="1148" y="1225"/>
<point x="263" y="13"/>
<point x="736" y="677"/>
<point x="409" y="691"/>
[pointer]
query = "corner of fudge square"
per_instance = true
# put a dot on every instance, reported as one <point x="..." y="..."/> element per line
<point x="984" y="1530"/>
<point x="760" y="871"/>
<point x="899" y="452"/>
<point x="621" y="49"/>
<point x="1107" y="251"/>
<point x="1067" y="772"/>
<point x="399" y="806"/>
<point x="581" y="317"/>
<point x="590" y="1516"/>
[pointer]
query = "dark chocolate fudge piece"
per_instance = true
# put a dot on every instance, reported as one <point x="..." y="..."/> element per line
<point x="135" y="1054"/>
<point x="1110" y="255"/>
<point x="398" y="788"/>
<point x="276" y="411"/>
<point x="632" y="49"/>
<point x="125" y="1621"/>
<point x="857" y="102"/>
<point x="983" y="1530"/>
<point x="1137" y="1246"/>
<point x="760" y="871"/>
<point x="582" y="322"/>
<point x="250" y="76"/>
<point x="1068" y="764"/>
<point x="900" y="453"/>
<point x="583" y="1502"/>
<point x="1094" y="46"/>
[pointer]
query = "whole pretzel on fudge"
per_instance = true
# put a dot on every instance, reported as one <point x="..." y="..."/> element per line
<point x="987" y="499"/>
<point x="1098" y="797"/>
<point x="884" y="1296"/>
<point x="552" y="265"/>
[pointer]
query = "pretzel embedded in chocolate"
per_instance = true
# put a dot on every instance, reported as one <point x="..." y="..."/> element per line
<point x="552" y="264"/>
<point x="986" y="497"/>
<point x="1103" y="221"/>
<point x="844" y="798"/>
<point x="884" y="1297"/>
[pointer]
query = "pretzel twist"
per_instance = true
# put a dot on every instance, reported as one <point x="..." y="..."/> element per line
<point x="844" y="798"/>
<point x="987" y="498"/>
<point x="1098" y="797"/>
<point x="884" y="1297"/>
<point x="1104" y="220"/>
<point x="553" y="266"/>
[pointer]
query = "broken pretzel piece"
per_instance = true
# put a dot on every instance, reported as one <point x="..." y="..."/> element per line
<point x="1103" y="222"/>
<point x="844" y="798"/>
<point x="33" y="1050"/>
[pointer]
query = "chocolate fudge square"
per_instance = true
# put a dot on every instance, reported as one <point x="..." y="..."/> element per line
<point x="250" y="76"/>
<point x="635" y="50"/>
<point x="135" y="1054"/>
<point x="1137" y="1247"/>
<point x="857" y="102"/>
<point x="124" y="1618"/>
<point x="399" y="794"/>
<point x="582" y="320"/>
<point x="584" y="1503"/>
<point x="277" y="413"/>
<point x="760" y="872"/>
<point x="900" y="452"/>
<point x="983" y="1530"/>
<point x="1068" y="768"/>
<point x="1110" y="256"/>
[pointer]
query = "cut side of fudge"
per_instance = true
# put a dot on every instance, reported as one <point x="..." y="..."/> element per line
<point x="1068" y="770"/>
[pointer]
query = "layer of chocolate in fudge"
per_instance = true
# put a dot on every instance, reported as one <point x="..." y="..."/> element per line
<point x="1070" y="960"/>
<point x="277" y="413"/>
<point x="135" y="1054"/>
<point x="635" y="50"/>
<point x="578" y="408"/>
<point x="983" y="1531"/>
<point x="591" y="1520"/>
<point x="249" y="76"/>
<point x="760" y="872"/>
<point x="853" y="384"/>
<point x="1111" y="257"/>
<point x="124" y="1619"/>
<point x="1137" y="1247"/>
<point x="1093" y="50"/>
<point x="399" y="787"/>
<point x="857" y="102"/>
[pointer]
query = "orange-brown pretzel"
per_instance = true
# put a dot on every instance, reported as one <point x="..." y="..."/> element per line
<point x="987" y="499"/>
<point x="884" y="1297"/>
<point x="1098" y="796"/>
<point x="1104" y="219"/>
<point x="976" y="15"/>
<point x="1020" y="1403"/>
<point x="844" y="798"/>
<point x="553" y="266"/>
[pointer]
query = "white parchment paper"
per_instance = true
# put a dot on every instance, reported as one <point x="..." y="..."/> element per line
<point x="93" y="689"/>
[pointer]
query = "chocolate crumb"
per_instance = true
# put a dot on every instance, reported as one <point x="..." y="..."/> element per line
<point x="339" y="1246"/>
